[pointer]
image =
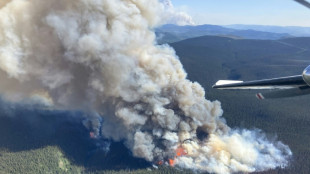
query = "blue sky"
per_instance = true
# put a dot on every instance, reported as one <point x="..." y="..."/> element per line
<point x="262" y="12"/>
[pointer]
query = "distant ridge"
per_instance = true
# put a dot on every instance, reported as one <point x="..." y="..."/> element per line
<point x="173" y="33"/>
<point x="292" y="30"/>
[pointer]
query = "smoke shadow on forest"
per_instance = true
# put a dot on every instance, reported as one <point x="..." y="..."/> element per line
<point x="25" y="128"/>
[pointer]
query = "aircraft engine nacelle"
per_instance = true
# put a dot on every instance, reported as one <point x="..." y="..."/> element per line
<point x="306" y="75"/>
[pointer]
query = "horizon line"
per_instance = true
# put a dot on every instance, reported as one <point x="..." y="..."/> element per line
<point x="245" y="24"/>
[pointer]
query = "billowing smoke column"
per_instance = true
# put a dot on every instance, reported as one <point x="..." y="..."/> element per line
<point x="100" y="56"/>
<point x="174" y="16"/>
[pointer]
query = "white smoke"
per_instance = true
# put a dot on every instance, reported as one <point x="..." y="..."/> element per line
<point x="101" y="56"/>
<point x="173" y="16"/>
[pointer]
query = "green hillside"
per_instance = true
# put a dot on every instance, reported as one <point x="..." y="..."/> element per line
<point x="40" y="141"/>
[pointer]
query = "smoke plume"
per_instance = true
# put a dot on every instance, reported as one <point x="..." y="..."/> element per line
<point x="173" y="16"/>
<point x="100" y="56"/>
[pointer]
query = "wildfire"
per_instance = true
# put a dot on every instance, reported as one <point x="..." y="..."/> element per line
<point x="92" y="135"/>
<point x="180" y="151"/>
<point x="171" y="162"/>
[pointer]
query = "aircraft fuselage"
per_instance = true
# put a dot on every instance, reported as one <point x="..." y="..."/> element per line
<point x="306" y="75"/>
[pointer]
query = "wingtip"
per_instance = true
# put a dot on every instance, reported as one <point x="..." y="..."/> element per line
<point x="221" y="83"/>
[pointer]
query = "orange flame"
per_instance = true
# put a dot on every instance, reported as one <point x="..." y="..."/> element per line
<point x="180" y="151"/>
<point x="171" y="162"/>
<point x="92" y="135"/>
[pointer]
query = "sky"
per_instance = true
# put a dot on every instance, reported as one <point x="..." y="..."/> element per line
<point x="258" y="12"/>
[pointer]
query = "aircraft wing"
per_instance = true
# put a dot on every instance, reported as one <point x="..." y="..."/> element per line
<point x="303" y="2"/>
<point x="276" y="83"/>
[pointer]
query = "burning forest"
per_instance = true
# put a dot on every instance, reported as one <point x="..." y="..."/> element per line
<point x="101" y="56"/>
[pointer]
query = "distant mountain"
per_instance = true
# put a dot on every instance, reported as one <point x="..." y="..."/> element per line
<point x="173" y="33"/>
<point x="294" y="31"/>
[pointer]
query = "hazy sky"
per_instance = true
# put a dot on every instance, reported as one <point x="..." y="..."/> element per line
<point x="263" y="12"/>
